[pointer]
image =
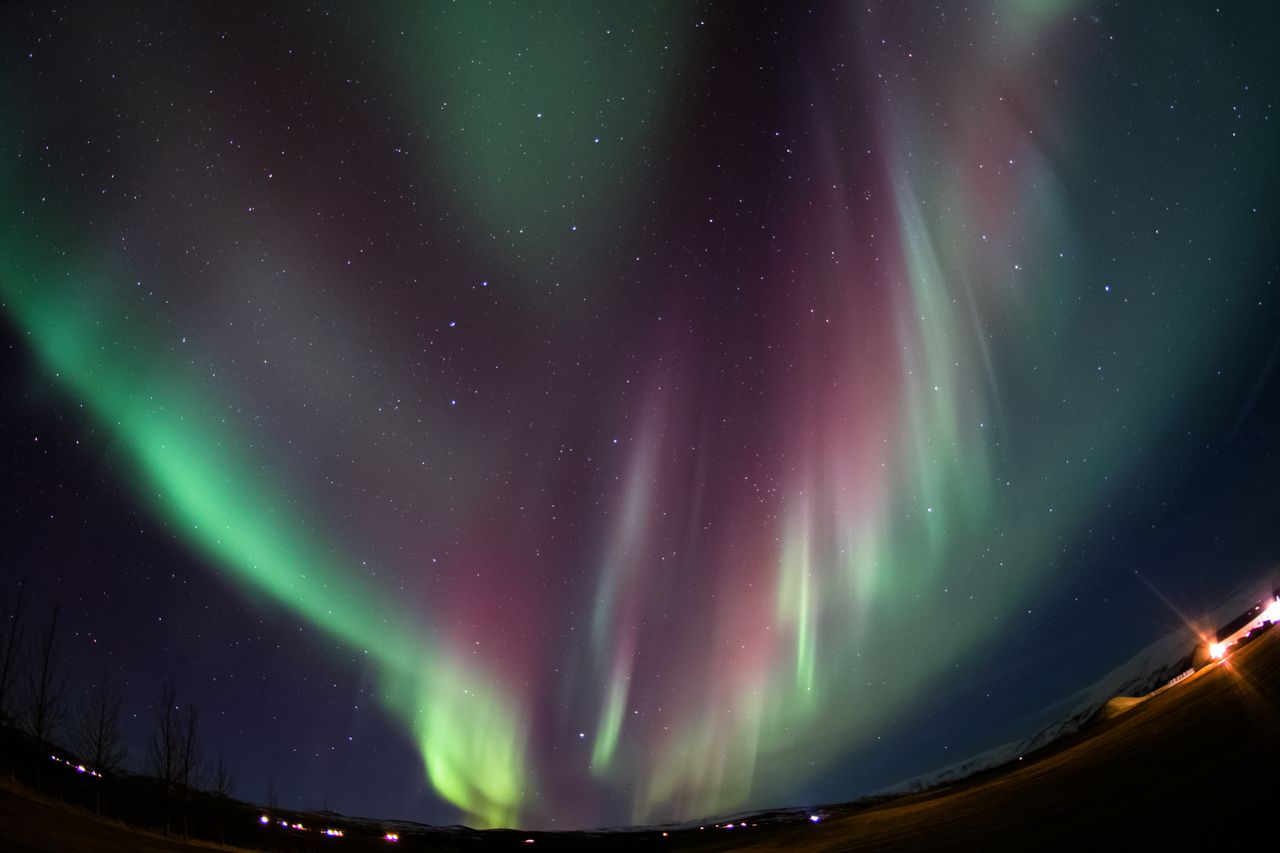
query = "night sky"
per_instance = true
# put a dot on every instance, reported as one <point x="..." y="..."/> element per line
<point x="595" y="413"/>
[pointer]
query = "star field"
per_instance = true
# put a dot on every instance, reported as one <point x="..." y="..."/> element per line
<point x="575" y="414"/>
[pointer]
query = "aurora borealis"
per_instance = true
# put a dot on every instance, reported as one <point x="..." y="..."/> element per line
<point x="572" y="414"/>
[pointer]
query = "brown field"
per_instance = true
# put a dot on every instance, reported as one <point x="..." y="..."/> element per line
<point x="1194" y="766"/>
<point x="30" y="823"/>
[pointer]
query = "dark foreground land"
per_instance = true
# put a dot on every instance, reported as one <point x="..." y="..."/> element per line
<point x="1194" y="766"/>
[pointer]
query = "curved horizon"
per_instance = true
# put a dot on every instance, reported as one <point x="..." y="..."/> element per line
<point x="623" y="415"/>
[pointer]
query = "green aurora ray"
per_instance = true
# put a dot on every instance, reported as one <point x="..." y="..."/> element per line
<point x="968" y="441"/>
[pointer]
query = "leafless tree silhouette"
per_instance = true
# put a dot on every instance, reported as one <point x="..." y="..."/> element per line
<point x="190" y="753"/>
<point x="166" y="738"/>
<point x="190" y="760"/>
<point x="99" y="733"/>
<point x="223" y="779"/>
<point x="165" y="747"/>
<point x="46" y="704"/>
<point x="12" y="638"/>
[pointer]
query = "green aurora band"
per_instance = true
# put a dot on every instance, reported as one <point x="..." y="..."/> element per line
<point x="890" y="475"/>
<point x="195" y="474"/>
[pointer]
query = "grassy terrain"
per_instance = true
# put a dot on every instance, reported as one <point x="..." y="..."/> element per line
<point x="1195" y="764"/>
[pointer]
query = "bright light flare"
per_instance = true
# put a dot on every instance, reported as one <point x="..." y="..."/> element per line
<point x="1217" y="650"/>
<point x="391" y="836"/>
<point x="1272" y="613"/>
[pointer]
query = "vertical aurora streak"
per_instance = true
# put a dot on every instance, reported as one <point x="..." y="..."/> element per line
<point x="669" y="406"/>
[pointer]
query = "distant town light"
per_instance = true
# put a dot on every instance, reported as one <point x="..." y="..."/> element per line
<point x="391" y="836"/>
<point x="1272" y="613"/>
<point x="813" y="818"/>
<point x="264" y="819"/>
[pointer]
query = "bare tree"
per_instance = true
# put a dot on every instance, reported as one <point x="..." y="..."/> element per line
<point x="99" y="735"/>
<point x="223" y="779"/>
<point x="162" y="749"/>
<point x="190" y="759"/>
<point x="165" y="747"/>
<point x="190" y="754"/>
<point x="174" y="750"/>
<point x="46" y="683"/>
<point x="12" y="639"/>
<point x="99" y="732"/>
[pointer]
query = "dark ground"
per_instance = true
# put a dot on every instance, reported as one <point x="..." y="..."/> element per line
<point x="1195" y="766"/>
